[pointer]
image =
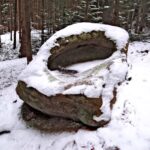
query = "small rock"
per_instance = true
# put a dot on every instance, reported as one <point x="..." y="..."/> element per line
<point x="145" y="51"/>
<point x="4" y="132"/>
<point x="15" y="101"/>
<point x="129" y="79"/>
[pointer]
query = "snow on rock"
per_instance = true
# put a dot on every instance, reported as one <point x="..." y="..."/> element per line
<point x="116" y="34"/>
<point x="108" y="72"/>
<point x="50" y="83"/>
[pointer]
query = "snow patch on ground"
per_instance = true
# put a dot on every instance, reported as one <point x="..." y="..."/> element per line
<point x="10" y="70"/>
<point x="7" y="52"/>
<point x="128" y="129"/>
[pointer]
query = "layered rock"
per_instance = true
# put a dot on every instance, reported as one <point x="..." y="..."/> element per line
<point x="48" y="123"/>
<point x="76" y="107"/>
<point x="58" y="99"/>
<point x="80" y="48"/>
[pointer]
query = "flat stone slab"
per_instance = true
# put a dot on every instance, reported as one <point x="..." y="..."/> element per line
<point x="43" y="122"/>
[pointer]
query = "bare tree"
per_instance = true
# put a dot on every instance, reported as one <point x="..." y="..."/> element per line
<point x="0" y="22"/>
<point x="19" y="18"/>
<point x="142" y="15"/>
<point x="42" y="24"/>
<point x="11" y="18"/>
<point x="115" y="19"/>
<point x="53" y="16"/>
<point x="86" y="10"/>
<point x="26" y="37"/>
<point x="15" y="23"/>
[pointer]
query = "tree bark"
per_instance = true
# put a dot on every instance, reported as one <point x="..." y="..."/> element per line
<point x="115" y="20"/>
<point x="86" y="10"/>
<point x="19" y="19"/>
<point x="15" y="23"/>
<point x="142" y="16"/>
<point x="0" y="22"/>
<point x="0" y="42"/>
<point x="42" y="31"/>
<point x="53" y="16"/>
<point x="26" y="37"/>
<point x="11" y="18"/>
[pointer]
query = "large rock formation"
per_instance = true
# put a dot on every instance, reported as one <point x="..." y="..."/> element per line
<point x="66" y="101"/>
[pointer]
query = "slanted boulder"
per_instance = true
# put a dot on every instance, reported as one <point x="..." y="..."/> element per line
<point x="85" y="95"/>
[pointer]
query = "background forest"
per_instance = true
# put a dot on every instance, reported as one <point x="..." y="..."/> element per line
<point x="49" y="16"/>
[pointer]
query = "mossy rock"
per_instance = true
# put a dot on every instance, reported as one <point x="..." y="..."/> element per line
<point x="80" y="48"/>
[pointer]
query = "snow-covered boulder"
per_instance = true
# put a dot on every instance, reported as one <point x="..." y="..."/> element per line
<point x="83" y="92"/>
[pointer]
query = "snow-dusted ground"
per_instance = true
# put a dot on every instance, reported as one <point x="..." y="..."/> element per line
<point x="7" y="52"/>
<point x="129" y="128"/>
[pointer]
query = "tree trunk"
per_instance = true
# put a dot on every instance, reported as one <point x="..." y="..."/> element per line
<point x="142" y="16"/>
<point x="49" y="17"/>
<point x="11" y="18"/>
<point x="26" y="37"/>
<point x="86" y="10"/>
<point x="108" y="12"/>
<point x="0" y="11"/>
<point x="115" y="19"/>
<point x="53" y="16"/>
<point x="0" y="22"/>
<point x="19" y="19"/>
<point x="138" y="17"/>
<point x="0" y="42"/>
<point x="42" y="31"/>
<point x="15" y="23"/>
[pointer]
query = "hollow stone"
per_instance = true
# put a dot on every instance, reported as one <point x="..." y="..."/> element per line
<point x="80" y="48"/>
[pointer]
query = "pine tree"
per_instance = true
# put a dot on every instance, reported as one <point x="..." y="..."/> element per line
<point x="89" y="11"/>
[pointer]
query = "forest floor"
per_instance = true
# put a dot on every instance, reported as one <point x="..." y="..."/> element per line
<point x="128" y="130"/>
<point x="7" y="52"/>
